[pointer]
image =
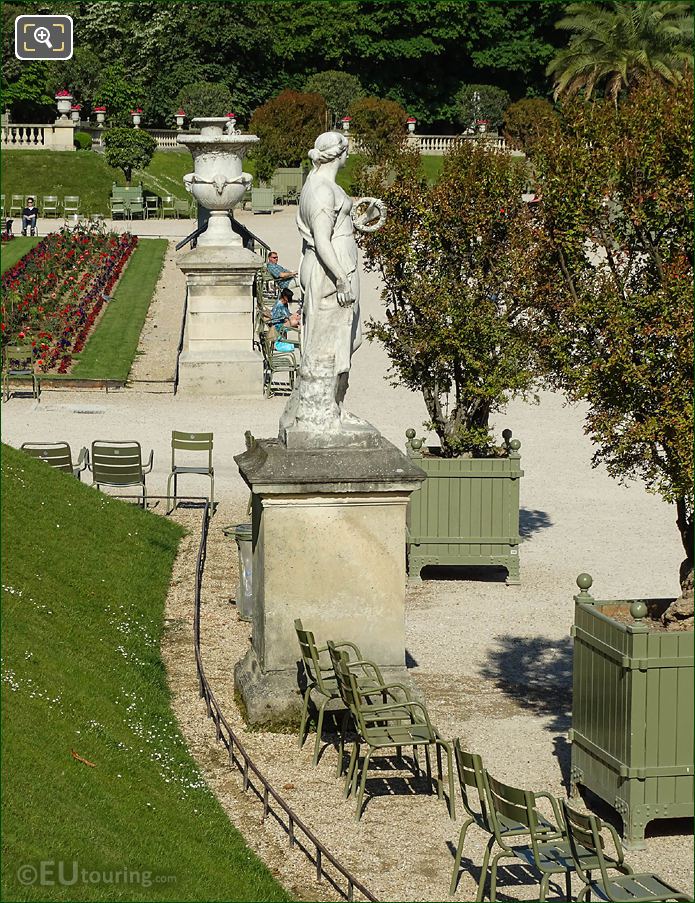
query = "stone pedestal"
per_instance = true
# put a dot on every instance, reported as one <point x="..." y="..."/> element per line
<point x="329" y="548"/>
<point x="218" y="356"/>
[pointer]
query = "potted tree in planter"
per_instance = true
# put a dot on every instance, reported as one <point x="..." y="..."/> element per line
<point x="615" y="330"/>
<point x="452" y="258"/>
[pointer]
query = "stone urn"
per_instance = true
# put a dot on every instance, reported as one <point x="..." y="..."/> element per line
<point x="101" y="116"/>
<point x="64" y="101"/>
<point x="76" y="113"/>
<point x="217" y="182"/>
<point x="179" y="116"/>
<point x="137" y="117"/>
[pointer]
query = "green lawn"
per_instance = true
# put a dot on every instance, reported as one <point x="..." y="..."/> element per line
<point x="110" y="350"/>
<point x="85" y="173"/>
<point x="13" y="250"/>
<point x="84" y="586"/>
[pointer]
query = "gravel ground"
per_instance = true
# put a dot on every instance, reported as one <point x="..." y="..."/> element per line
<point x="494" y="661"/>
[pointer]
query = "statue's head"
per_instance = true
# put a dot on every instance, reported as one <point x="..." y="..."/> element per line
<point x="328" y="146"/>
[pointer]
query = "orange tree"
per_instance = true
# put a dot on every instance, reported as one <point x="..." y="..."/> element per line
<point x="453" y="258"/>
<point x="613" y="260"/>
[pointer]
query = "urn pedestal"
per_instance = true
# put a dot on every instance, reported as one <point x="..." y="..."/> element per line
<point x="328" y="548"/>
<point x="218" y="357"/>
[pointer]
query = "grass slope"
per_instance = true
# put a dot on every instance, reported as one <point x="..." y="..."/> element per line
<point x="86" y="174"/>
<point x="111" y="348"/>
<point x="84" y="583"/>
<point x="13" y="250"/>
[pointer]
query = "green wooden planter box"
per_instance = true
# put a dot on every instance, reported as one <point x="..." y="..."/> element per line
<point x="466" y="512"/>
<point x="632" y="712"/>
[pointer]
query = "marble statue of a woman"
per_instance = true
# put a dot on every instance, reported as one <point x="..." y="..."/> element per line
<point x="331" y="333"/>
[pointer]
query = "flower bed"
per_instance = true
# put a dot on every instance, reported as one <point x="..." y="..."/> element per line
<point x="53" y="295"/>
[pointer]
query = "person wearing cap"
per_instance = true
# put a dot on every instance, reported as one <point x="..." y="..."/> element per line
<point x="280" y="316"/>
<point x="282" y="276"/>
<point x="29" y="216"/>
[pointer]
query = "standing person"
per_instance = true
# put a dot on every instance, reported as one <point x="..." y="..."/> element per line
<point x="29" y="216"/>
<point x="330" y="285"/>
<point x="282" y="276"/>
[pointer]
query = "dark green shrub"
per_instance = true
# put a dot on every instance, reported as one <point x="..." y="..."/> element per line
<point x="83" y="141"/>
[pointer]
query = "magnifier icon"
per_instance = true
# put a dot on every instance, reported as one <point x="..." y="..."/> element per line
<point x="43" y="36"/>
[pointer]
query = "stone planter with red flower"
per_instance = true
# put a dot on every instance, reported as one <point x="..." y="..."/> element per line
<point x="64" y="101"/>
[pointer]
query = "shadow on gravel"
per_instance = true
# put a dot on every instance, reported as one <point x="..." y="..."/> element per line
<point x="537" y="674"/>
<point x="531" y="521"/>
<point x="477" y="573"/>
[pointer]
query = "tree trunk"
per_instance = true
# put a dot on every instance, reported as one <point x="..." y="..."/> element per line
<point x="128" y="172"/>
<point x="679" y="614"/>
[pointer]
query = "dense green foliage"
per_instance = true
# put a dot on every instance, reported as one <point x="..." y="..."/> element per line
<point x="110" y="350"/>
<point x="287" y="126"/>
<point x="128" y="149"/>
<point x="205" y="99"/>
<point x="481" y="103"/>
<point x="526" y="120"/>
<point x="616" y="42"/>
<point x="83" y="140"/>
<point x="613" y="264"/>
<point x="453" y="261"/>
<point x="338" y="89"/>
<point x="143" y="53"/>
<point x="379" y="125"/>
<point x="84" y="580"/>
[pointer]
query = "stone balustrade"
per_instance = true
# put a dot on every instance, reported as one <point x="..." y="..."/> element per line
<point x="31" y="136"/>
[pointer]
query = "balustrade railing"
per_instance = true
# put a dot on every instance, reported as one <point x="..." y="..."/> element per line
<point x="23" y="136"/>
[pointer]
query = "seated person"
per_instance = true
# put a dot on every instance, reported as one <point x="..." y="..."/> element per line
<point x="29" y="216"/>
<point x="282" y="276"/>
<point x="281" y="318"/>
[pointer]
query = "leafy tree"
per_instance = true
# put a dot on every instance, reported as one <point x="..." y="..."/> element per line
<point x="615" y="42"/>
<point x="614" y="284"/>
<point x="205" y="99"/>
<point x="526" y="120"/>
<point x="119" y="92"/>
<point x="379" y="125"/>
<point x="476" y="102"/>
<point x="453" y="261"/>
<point x="287" y="126"/>
<point x="338" y="89"/>
<point x="128" y="149"/>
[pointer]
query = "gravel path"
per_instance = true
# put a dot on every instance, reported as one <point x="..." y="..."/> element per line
<point x="494" y="661"/>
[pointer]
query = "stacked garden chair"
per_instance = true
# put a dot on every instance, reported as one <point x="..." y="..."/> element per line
<point x="381" y="725"/>
<point x="320" y="678"/>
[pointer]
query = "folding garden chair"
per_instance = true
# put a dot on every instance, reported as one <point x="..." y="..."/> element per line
<point x="586" y="841"/>
<point x="320" y="677"/>
<point x="50" y="205"/>
<point x="151" y="206"/>
<point x="58" y="456"/>
<point x="547" y="853"/>
<point x="194" y="444"/>
<point x="119" y="464"/>
<point x="71" y="205"/>
<point x="381" y="725"/>
<point x="18" y="363"/>
<point x="16" y="204"/>
<point x="473" y="783"/>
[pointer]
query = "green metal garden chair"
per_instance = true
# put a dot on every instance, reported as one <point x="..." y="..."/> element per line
<point x="50" y="205"/>
<point x="548" y="852"/>
<point x="381" y="725"/>
<point x="71" y="205"/>
<point x="190" y="444"/>
<point x="58" y="456"/>
<point x="16" y="204"/>
<point x="119" y="464"/>
<point x="151" y="206"/>
<point x="18" y="363"/>
<point x="585" y="838"/>
<point x="320" y="677"/>
<point x="475" y="795"/>
<point x="168" y="207"/>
